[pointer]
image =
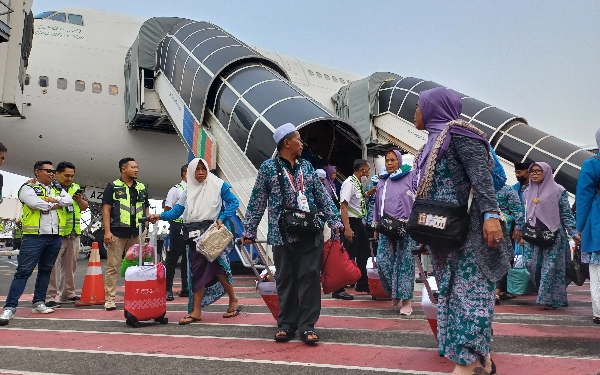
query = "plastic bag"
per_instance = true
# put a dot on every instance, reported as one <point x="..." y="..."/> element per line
<point x="133" y="253"/>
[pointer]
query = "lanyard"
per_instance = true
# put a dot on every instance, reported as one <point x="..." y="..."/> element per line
<point x="291" y="179"/>
<point x="363" y="206"/>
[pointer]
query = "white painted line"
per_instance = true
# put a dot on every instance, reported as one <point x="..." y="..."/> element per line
<point x="3" y="370"/>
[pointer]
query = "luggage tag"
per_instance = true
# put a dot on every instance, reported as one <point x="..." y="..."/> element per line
<point x="303" y="202"/>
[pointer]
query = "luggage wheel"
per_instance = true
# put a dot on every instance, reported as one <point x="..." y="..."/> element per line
<point x="162" y="320"/>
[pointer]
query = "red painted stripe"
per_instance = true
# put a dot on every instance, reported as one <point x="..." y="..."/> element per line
<point x="416" y="359"/>
<point x="94" y="264"/>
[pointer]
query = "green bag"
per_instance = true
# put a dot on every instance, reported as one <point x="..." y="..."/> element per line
<point x="125" y="264"/>
<point x="519" y="281"/>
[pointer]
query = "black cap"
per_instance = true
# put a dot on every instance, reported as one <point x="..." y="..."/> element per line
<point x="522" y="166"/>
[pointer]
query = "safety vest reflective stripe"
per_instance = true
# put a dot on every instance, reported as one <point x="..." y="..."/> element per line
<point x="30" y="218"/>
<point x="71" y="219"/>
<point x="121" y="211"/>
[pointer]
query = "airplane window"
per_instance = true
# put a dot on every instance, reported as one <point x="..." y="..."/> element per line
<point x="61" y="83"/>
<point x="61" y="17"/>
<point x="319" y="75"/>
<point x="43" y="81"/>
<point x="76" y="19"/>
<point x="311" y="72"/>
<point x="27" y="79"/>
<point x="326" y="77"/>
<point x="334" y="79"/>
<point x="113" y="89"/>
<point x="342" y="80"/>
<point x="44" y="14"/>
<point x="96" y="88"/>
<point x="79" y="85"/>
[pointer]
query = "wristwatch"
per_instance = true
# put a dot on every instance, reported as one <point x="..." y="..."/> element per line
<point x="490" y="216"/>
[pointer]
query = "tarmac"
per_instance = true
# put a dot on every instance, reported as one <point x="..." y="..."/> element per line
<point x="358" y="337"/>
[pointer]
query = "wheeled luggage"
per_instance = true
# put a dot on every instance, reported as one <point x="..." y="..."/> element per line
<point x="429" y="293"/>
<point x="265" y="283"/>
<point x="375" y="286"/>
<point x="145" y="289"/>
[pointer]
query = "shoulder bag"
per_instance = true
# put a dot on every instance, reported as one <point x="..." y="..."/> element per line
<point x="435" y="223"/>
<point x="293" y="220"/>
<point x="389" y="226"/>
<point x="539" y="235"/>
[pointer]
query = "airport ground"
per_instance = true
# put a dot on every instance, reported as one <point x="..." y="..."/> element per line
<point x="359" y="336"/>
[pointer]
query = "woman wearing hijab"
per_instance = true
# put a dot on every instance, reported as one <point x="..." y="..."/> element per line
<point x="466" y="276"/>
<point x="207" y="199"/>
<point x="332" y="185"/>
<point x="395" y="262"/>
<point x="548" y="202"/>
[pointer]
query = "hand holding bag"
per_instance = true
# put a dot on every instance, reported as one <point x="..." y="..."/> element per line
<point x="212" y="242"/>
<point x="389" y="226"/>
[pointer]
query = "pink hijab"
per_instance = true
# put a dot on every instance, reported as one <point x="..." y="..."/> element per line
<point x="548" y="194"/>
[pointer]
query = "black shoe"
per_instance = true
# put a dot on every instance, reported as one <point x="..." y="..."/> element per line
<point x="170" y="296"/>
<point x="52" y="304"/>
<point x="342" y="295"/>
<point x="363" y="289"/>
<point x="183" y="293"/>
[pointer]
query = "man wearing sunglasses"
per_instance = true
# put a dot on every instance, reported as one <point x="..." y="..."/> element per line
<point x="42" y="239"/>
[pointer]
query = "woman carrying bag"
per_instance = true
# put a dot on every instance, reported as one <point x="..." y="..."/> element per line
<point x="548" y="217"/>
<point x="393" y="200"/>
<point x="206" y="200"/>
<point x="453" y="167"/>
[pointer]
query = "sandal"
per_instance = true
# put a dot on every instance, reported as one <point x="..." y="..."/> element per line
<point x="480" y="371"/>
<point x="289" y="335"/>
<point x="304" y="337"/>
<point x="189" y="320"/>
<point x="232" y="312"/>
<point x="596" y="320"/>
<point x="549" y="307"/>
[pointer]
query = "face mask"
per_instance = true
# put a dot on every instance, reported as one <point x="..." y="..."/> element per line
<point x="522" y="179"/>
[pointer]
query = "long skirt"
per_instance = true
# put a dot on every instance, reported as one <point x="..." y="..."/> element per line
<point x="465" y="306"/>
<point x="396" y="267"/>
<point x="547" y="267"/>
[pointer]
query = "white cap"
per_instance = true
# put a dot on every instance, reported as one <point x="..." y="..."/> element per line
<point x="382" y="170"/>
<point x="282" y="131"/>
<point x="321" y="173"/>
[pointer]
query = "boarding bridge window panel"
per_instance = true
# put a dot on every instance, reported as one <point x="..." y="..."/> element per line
<point x="211" y="45"/>
<point x="512" y="149"/>
<point x="113" y="89"/>
<point x="224" y="103"/>
<point x="581" y="156"/>
<point x="178" y="68"/>
<point x="43" y="81"/>
<point x="537" y="155"/>
<point x="187" y="82"/>
<point x="171" y="49"/>
<point x="409" y="107"/>
<point x="60" y="17"/>
<point x="567" y="177"/>
<point x="27" y="79"/>
<point x="241" y="123"/>
<point x="61" y="83"/>
<point x="194" y="40"/>
<point x="260" y="145"/>
<point x="186" y="28"/>
<point x="397" y="99"/>
<point x="79" y="85"/>
<point x="384" y="100"/>
<point x="76" y="19"/>
<point x="494" y="117"/>
<point x="557" y="147"/>
<point x="198" y="98"/>
<point x="471" y="106"/>
<point x="408" y="82"/>
<point x="297" y="111"/>
<point x="527" y="133"/>
<point x="427" y="85"/>
<point x="246" y="78"/>
<point x="265" y="94"/>
<point x="222" y="58"/>
<point x="44" y="14"/>
<point x="96" y="88"/>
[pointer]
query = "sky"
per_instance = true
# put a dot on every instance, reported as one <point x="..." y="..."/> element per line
<point x="536" y="59"/>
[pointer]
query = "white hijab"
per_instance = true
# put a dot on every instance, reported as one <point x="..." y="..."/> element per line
<point x="204" y="200"/>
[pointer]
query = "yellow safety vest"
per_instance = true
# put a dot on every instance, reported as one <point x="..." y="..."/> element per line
<point x="180" y="220"/>
<point x="30" y="220"/>
<point x="121" y="212"/>
<point x="71" y="215"/>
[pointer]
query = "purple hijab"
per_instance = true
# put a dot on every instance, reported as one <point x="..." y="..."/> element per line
<point x="438" y="107"/>
<point x="548" y="194"/>
<point x="329" y="182"/>
<point x="398" y="195"/>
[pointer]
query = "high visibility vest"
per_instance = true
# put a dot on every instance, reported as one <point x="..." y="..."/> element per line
<point x="121" y="211"/>
<point x="71" y="215"/>
<point x="182" y="187"/>
<point x="30" y="220"/>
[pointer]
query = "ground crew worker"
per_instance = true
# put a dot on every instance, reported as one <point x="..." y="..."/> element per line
<point x="66" y="262"/>
<point x="125" y="201"/>
<point x="176" y="240"/>
<point x="41" y="200"/>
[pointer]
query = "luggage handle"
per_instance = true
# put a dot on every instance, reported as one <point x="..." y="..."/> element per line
<point x="248" y="257"/>
<point x="417" y="251"/>
<point x="373" y="255"/>
<point x="142" y="222"/>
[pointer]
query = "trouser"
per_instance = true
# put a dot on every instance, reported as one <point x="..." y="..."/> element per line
<point x="359" y="249"/>
<point x="298" y="283"/>
<point x="64" y="270"/>
<point x="595" y="288"/>
<point x="176" y="250"/>
<point x="114" y="257"/>
<point x="36" y="250"/>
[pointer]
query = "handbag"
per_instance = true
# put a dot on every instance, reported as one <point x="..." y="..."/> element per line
<point x="539" y="235"/>
<point x="195" y="229"/>
<point x="293" y="220"/>
<point x="214" y="241"/>
<point x="435" y="223"/>
<point x="389" y="226"/>
<point x="338" y="269"/>
<point x="519" y="281"/>
<point x="576" y="271"/>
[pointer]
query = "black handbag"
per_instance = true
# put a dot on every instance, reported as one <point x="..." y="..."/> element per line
<point x="539" y="235"/>
<point x="577" y="271"/>
<point x="194" y="230"/>
<point x="293" y="220"/>
<point x="389" y="226"/>
<point x="439" y="224"/>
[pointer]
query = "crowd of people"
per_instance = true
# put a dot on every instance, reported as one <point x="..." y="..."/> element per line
<point x="456" y="167"/>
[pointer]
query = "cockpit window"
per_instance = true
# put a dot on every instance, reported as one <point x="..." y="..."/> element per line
<point x="45" y="14"/>
<point x="76" y="19"/>
<point x="61" y="17"/>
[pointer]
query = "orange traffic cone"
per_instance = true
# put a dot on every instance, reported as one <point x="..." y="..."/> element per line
<point x="92" y="292"/>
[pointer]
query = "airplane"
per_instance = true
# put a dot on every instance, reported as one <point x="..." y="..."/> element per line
<point x="101" y="86"/>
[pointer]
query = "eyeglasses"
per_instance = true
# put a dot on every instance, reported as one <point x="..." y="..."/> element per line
<point x="535" y="171"/>
<point x="48" y="170"/>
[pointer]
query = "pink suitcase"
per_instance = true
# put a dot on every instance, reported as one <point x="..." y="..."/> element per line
<point x="145" y="290"/>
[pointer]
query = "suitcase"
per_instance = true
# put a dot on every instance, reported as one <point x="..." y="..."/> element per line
<point x="145" y="290"/>
<point x="375" y="286"/>
<point x="429" y="293"/>
<point x="265" y="283"/>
